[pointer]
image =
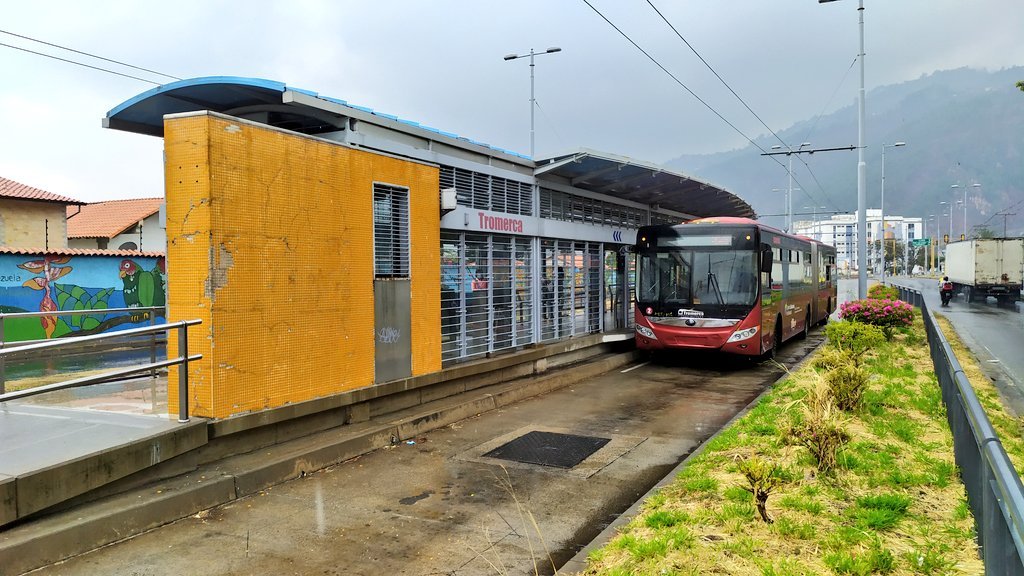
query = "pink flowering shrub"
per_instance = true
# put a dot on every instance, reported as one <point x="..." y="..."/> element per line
<point x="882" y="312"/>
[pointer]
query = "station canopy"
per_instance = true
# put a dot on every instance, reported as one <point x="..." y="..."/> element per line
<point x="276" y="104"/>
<point x="643" y="182"/>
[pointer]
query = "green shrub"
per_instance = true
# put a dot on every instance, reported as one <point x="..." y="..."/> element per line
<point x="855" y="338"/>
<point x="830" y="357"/>
<point x="822" y="430"/>
<point x="883" y="292"/>
<point x="847" y="383"/>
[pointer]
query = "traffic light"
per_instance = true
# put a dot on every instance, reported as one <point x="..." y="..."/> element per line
<point x="945" y="238"/>
<point x="963" y="237"/>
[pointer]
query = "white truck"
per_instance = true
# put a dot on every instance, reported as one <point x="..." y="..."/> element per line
<point x="987" y="267"/>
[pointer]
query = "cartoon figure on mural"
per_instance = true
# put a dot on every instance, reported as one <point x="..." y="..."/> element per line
<point x="50" y="268"/>
<point x="142" y="288"/>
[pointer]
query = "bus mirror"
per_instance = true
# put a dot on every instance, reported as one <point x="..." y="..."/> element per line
<point x="766" y="259"/>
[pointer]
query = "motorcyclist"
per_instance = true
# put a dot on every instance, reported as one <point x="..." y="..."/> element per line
<point x="945" y="290"/>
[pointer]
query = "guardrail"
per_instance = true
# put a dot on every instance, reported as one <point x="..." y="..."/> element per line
<point x="994" y="490"/>
<point x="150" y="312"/>
<point x="183" y="359"/>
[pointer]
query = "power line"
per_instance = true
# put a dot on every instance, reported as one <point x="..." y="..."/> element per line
<point x="78" y="63"/>
<point x="713" y="71"/>
<point x="749" y="109"/>
<point x="685" y="87"/>
<point x="119" y="63"/>
<point x="673" y="76"/>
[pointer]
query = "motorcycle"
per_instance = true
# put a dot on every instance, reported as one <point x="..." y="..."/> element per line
<point x="946" y="293"/>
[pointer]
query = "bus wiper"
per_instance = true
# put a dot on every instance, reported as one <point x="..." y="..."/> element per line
<point x="713" y="283"/>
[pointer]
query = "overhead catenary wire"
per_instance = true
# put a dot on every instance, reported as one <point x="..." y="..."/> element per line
<point x="687" y="88"/>
<point x="717" y="75"/>
<point x="119" y="63"/>
<point x="78" y="63"/>
<point x="749" y="109"/>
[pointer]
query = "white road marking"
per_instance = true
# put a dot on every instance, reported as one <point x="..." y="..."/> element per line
<point x="635" y="367"/>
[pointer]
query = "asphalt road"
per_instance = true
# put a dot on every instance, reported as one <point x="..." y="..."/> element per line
<point x="995" y="334"/>
<point x="442" y="506"/>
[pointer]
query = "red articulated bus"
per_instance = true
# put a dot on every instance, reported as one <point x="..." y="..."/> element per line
<point x="729" y="284"/>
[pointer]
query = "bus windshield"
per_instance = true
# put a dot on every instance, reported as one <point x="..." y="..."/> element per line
<point x="697" y="279"/>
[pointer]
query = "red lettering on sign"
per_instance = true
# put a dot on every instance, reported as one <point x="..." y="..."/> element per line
<point x="500" y="223"/>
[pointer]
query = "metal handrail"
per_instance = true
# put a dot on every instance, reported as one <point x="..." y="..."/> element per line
<point x="64" y="342"/>
<point x="97" y="312"/>
<point x="994" y="489"/>
<point x="183" y="359"/>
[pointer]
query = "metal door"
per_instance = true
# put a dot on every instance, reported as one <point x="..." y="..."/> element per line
<point x="392" y="330"/>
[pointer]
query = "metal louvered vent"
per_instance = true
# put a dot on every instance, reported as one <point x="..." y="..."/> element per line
<point x="484" y="192"/>
<point x="390" y="231"/>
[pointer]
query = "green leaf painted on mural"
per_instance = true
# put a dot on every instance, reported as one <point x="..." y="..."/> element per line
<point x="146" y="289"/>
<point x="89" y="323"/>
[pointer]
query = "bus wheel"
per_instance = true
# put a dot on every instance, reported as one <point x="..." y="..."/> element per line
<point x="828" y="313"/>
<point x="769" y="354"/>
<point x="807" y="325"/>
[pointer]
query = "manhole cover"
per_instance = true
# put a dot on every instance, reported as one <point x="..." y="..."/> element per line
<point x="549" y="449"/>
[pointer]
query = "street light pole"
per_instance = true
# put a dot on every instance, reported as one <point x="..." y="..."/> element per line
<point x="884" y="146"/>
<point x="789" y="194"/>
<point x="533" y="101"/>
<point x="965" y="203"/>
<point x="862" y="170"/>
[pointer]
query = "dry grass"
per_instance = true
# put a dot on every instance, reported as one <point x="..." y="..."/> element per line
<point x="893" y="505"/>
<point x="1009" y="427"/>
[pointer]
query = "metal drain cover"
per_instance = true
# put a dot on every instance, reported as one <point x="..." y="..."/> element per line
<point x="549" y="449"/>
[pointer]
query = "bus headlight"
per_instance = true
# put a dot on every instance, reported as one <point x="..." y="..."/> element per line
<point x="739" y="335"/>
<point x="645" y="331"/>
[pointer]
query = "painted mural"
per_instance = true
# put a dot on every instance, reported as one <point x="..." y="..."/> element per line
<point x="55" y="283"/>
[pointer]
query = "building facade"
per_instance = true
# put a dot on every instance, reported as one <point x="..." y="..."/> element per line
<point x="841" y="231"/>
<point x="312" y="234"/>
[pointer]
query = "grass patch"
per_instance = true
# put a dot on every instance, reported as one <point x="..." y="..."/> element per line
<point x="892" y="504"/>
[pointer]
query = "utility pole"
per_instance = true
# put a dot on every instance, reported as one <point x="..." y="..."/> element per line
<point x="789" y="151"/>
<point x="1004" y="215"/>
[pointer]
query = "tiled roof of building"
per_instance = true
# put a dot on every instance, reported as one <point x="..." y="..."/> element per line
<point x="11" y="189"/>
<point x="108" y="219"/>
<point x="78" y="252"/>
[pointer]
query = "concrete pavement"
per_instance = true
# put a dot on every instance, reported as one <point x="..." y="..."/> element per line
<point x="435" y="504"/>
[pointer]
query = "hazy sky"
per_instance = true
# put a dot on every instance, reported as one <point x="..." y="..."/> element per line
<point x="440" y="63"/>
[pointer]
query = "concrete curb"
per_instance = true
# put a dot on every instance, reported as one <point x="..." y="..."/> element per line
<point x="578" y="563"/>
<point x="90" y="526"/>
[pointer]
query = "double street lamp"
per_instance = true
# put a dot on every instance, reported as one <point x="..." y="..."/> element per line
<point x="965" y="204"/>
<point x="884" y="146"/>
<point x="789" y="194"/>
<point x="533" y="101"/>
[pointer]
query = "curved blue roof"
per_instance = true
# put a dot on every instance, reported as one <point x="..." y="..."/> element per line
<point x="144" y="113"/>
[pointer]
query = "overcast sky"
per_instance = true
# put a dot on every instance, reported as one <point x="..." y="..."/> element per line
<point x="440" y="63"/>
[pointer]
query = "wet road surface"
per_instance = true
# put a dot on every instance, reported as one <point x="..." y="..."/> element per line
<point x="994" y="333"/>
<point x="440" y="506"/>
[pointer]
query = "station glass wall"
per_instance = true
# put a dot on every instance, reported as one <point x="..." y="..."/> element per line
<point x="486" y="293"/>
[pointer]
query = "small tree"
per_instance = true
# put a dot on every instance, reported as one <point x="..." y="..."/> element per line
<point x="762" y="478"/>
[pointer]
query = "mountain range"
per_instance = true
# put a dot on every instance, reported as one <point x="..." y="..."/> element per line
<point x="961" y="127"/>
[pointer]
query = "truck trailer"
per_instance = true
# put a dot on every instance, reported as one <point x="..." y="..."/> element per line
<point x="987" y="267"/>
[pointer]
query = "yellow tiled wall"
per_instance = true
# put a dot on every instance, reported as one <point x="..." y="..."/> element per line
<point x="270" y="243"/>
<point x="34" y="225"/>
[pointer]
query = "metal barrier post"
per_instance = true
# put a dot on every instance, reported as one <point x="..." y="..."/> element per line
<point x="183" y="372"/>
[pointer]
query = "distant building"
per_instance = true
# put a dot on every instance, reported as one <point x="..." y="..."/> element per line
<point x="118" y="225"/>
<point x="32" y="218"/>
<point x="841" y="231"/>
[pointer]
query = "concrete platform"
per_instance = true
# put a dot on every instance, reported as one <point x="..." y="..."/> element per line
<point x="50" y="454"/>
